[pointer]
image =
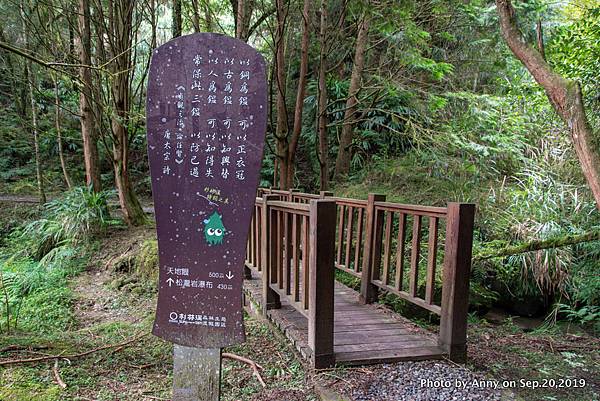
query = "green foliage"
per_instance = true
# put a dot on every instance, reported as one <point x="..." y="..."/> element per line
<point x="39" y="257"/>
<point x="65" y="223"/>
<point x="574" y="53"/>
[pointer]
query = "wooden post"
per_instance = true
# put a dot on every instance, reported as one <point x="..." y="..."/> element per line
<point x="196" y="373"/>
<point x="325" y="194"/>
<point x="322" y="277"/>
<point x="372" y="255"/>
<point x="455" y="287"/>
<point x="249" y="251"/>
<point x="268" y="249"/>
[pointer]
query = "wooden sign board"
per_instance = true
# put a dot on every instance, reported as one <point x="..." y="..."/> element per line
<point x="206" y="123"/>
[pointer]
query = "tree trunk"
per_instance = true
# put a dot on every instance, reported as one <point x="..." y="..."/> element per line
<point x="20" y="103"/>
<point x="322" y="102"/>
<point x="196" y="16"/>
<point x="299" y="96"/>
<point x="342" y="164"/>
<point x="36" y="140"/>
<point x="88" y="123"/>
<point x="208" y="16"/>
<point x="122" y="69"/>
<point x="564" y="95"/>
<point x="133" y="214"/>
<point x="539" y="31"/>
<point x="281" y="131"/>
<point x="34" y="121"/>
<point x="61" y="154"/>
<point x="177" y="22"/>
<point x="243" y="16"/>
<point x="153" y="24"/>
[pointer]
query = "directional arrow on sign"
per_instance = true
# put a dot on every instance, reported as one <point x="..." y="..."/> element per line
<point x="229" y="275"/>
<point x="170" y="281"/>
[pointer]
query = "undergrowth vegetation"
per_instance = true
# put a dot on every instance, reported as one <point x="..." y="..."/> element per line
<point x="38" y="257"/>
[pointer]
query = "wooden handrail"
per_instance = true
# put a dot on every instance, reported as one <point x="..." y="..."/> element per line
<point x="412" y="209"/>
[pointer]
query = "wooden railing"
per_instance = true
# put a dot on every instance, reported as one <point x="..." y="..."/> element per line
<point x="421" y="254"/>
<point x="297" y="262"/>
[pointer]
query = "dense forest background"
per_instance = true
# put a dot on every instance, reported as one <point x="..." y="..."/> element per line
<point x="420" y="100"/>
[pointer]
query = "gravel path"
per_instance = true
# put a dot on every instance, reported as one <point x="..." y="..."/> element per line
<point x="429" y="381"/>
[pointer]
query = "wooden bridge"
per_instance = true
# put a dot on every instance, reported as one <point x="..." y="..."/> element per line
<point x="296" y="242"/>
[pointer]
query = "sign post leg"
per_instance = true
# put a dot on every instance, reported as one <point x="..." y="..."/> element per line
<point x="196" y="373"/>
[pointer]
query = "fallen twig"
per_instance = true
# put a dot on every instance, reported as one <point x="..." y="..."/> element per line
<point x="22" y="348"/>
<point x="255" y="366"/>
<point x="59" y="381"/>
<point x="60" y="356"/>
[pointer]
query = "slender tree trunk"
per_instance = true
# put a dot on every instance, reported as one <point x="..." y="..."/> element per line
<point x="61" y="154"/>
<point x="322" y="102"/>
<point x="539" y="30"/>
<point x="20" y="103"/>
<point x="177" y="21"/>
<point x="342" y="164"/>
<point x="281" y="131"/>
<point x="122" y="69"/>
<point x="153" y="24"/>
<point x="564" y="95"/>
<point x="36" y="140"/>
<point x="196" y="15"/>
<point x="208" y="17"/>
<point x="240" y="12"/>
<point x="88" y="124"/>
<point x="297" y="129"/>
<point x="34" y="121"/>
<point x="243" y="17"/>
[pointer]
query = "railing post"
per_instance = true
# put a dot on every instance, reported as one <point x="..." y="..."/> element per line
<point x="321" y="286"/>
<point x="372" y="254"/>
<point x="325" y="194"/>
<point x="268" y="249"/>
<point x="455" y="286"/>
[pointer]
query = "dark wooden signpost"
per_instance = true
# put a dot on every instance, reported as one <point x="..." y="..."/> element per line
<point x="206" y="122"/>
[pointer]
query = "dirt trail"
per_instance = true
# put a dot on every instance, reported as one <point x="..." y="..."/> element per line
<point x="96" y="302"/>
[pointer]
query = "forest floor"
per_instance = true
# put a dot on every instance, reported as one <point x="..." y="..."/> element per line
<point x="110" y="309"/>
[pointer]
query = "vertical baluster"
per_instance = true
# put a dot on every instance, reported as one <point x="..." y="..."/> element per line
<point x="414" y="259"/>
<point x="305" y="260"/>
<point x="386" y="246"/>
<point x="400" y="251"/>
<point x="349" y="236"/>
<point x="431" y="259"/>
<point x="295" y="261"/>
<point x="259" y="238"/>
<point x="359" y="236"/>
<point x="252" y="241"/>
<point x="280" y="231"/>
<point x="269" y="250"/>
<point x="288" y="253"/>
<point x="340" y="239"/>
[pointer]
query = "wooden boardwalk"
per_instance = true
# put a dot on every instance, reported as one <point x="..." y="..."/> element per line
<point x="363" y="334"/>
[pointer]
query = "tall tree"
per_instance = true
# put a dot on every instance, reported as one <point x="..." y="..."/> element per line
<point x="34" y="121"/>
<point x="89" y="133"/>
<point x="297" y="129"/>
<point x="116" y="29"/>
<point x="322" y="102"/>
<point x="177" y="19"/>
<point x="342" y="164"/>
<point x="564" y="95"/>
<point x="281" y="130"/>
<point x="58" y="126"/>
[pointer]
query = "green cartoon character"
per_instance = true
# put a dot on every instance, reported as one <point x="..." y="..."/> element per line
<point x="214" y="230"/>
